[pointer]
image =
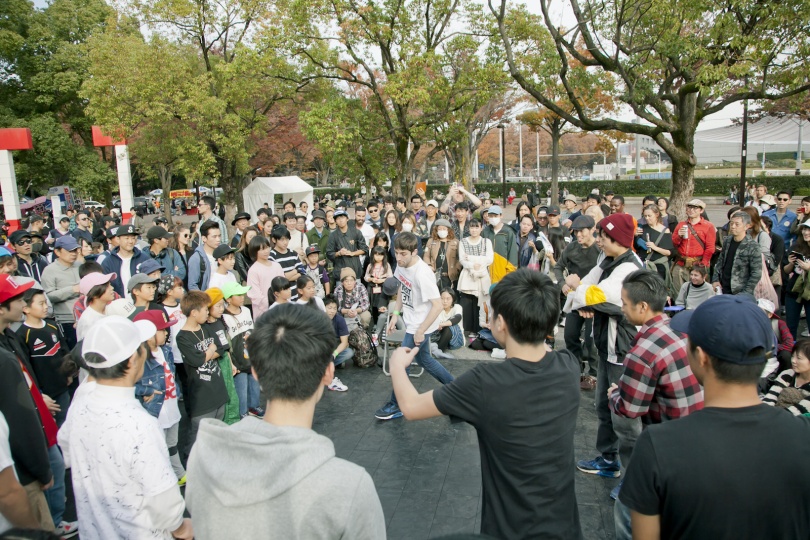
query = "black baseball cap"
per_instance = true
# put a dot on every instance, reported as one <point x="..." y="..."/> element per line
<point x="731" y="328"/>
<point x="222" y="250"/>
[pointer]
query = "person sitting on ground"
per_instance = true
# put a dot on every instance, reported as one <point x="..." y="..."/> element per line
<point x="308" y="297"/>
<point x="791" y="389"/>
<point x="282" y="476"/>
<point x="783" y="340"/>
<point x="695" y="291"/>
<point x="352" y="300"/>
<point x="526" y="435"/>
<point x="450" y="333"/>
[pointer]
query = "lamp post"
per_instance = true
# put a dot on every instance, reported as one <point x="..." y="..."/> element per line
<point x="502" y="127"/>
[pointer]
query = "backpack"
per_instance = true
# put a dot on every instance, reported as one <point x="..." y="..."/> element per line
<point x="365" y="352"/>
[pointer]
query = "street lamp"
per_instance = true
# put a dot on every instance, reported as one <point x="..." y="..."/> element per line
<point x="502" y="127"/>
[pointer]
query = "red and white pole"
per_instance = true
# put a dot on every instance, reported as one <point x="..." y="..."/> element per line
<point x="12" y="139"/>
<point x="124" y="173"/>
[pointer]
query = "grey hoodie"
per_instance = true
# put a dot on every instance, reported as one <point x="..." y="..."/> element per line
<point x="257" y="480"/>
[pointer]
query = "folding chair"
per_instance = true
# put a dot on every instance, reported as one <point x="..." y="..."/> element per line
<point x="395" y="339"/>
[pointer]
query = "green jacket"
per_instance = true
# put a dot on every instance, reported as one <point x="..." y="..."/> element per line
<point x="503" y="242"/>
<point x="320" y="241"/>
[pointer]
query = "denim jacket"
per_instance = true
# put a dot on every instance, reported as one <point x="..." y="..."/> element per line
<point x="153" y="380"/>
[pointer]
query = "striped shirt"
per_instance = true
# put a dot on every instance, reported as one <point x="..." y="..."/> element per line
<point x="288" y="261"/>
<point x="787" y="379"/>
<point x="657" y="383"/>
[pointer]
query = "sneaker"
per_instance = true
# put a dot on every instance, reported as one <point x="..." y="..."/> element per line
<point x="337" y="386"/>
<point x="614" y="493"/>
<point x="806" y="333"/>
<point x="258" y="412"/>
<point x="182" y="481"/>
<point x="498" y="353"/>
<point x="375" y="340"/>
<point x="67" y="529"/>
<point x="601" y="467"/>
<point x="389" y="411"/>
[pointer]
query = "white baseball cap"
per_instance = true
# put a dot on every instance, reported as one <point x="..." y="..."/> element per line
<point x="122" y="307"/>
<point x="432" y="202"/>
<point x="116" y="339"/>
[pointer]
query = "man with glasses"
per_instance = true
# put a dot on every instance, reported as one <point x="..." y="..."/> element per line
<point x="694" y="241"/>
<point x="83" y="225"/>
<point x="373" y="217"/>
<point x="782" y="217"/>
<point x="206" y="209"/>
<point x="416" y="206"/>
<point x="29" y="264"/>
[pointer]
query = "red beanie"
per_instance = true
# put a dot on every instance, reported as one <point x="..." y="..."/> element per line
<point x="619" y="227"/>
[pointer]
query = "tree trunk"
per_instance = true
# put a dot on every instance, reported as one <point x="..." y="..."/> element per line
<point x="555" y="162"/>
<point x="683" y="186"/>
<point x="165" y="175"/>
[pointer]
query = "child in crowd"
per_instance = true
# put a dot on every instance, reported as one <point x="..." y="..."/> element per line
<point x="207" y="394"/>
<point x="142" y="288"/>
<point x="157" y="390"/>
<point x="47" y="350"/>
<point x="306" y="293"/>
<point x="450" y="334"/>
<point x="239" y="324"/>
<point x="169" y="294"/>
<point x="88" y="267"/>
<point x="279" y="291"/>
<point x="287" y="258"/>
<point x="97" y="293"/>
<point x="791" y="389"/>
<point x="216" y="327"/>
<point x="226" y="260"/>
<point x="8" y="264"/>
<point x="260" y="275"/>
<point x="343" y="352"/>
<point x="317" y="272"/>
<point x="695" y="291"/>
<point x="376" y="273"/>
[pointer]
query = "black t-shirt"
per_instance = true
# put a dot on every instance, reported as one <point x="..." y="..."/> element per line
<point x="206" y="385"/>
<point x="46" y="349"/>
<point x="525" y="414"/>
<point x="724" y="473"/>
<point x="728" y="264"/>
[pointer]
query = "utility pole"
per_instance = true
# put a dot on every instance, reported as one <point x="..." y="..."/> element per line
<point x="744" y="152"/>
<point x="502" y="127"/>
<point x="799" y="150"/>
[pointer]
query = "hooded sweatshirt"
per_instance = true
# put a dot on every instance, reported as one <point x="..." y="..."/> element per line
<point x="257" y="480"/>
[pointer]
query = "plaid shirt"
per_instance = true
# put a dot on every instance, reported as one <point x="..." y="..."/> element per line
<point x="657" y="383"/>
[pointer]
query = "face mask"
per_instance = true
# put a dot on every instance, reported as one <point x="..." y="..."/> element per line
<point x="407" y="227"/>
<point x="494" y="221"/>
<point x="442" y="233"/>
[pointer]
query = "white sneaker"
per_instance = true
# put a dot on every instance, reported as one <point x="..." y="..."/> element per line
<point x="498" y="353"/>
<point x="806" y="333"/>
<point x="337" y="386"/>
<point x="67" y="529"/>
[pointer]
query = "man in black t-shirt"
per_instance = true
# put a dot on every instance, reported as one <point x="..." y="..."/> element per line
<point x="524" y="410"/>
<point x="736" y="468"/>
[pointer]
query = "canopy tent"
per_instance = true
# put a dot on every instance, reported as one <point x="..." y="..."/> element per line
<point x="770" y="131"/>
<point x="263" y="189"/>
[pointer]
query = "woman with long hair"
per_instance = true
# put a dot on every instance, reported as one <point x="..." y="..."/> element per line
<point x="797" y="295"/>
<point x="756" y="232"/>
<point x="243" y="260"/>
<point x="526" y="240"/>
<point x="441" y="254"/>
<point x="522" y="209"/>
<point x="658" y="239"/>
<point x="181" y="242"/>
<point x="476" y="256"/>
<point x="667" y="219"/>
<point x="260" y="275"/>
<point x="557" y="241"/>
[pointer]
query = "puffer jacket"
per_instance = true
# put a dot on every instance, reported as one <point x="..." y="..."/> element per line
<point x="747" y="266"/>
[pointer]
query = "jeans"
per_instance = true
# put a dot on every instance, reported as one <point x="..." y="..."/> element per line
<point x="345" y="354"/>
<point x="615" y="435"/>
<point x="793" y="311"/>
<point x="424" y="359"/>
<point x="574" y="326"/>
<point x="55" y="495"/>
<point x="621" y="520"/>
<point x="247" y="390"/>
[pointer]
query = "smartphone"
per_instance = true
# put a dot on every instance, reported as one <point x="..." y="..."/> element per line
<point x="798" y="255"/>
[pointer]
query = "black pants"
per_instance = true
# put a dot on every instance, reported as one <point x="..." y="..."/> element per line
<point x="574" y="326"/>
<point x="469" y="310"/>
<point x="445" y="335"/>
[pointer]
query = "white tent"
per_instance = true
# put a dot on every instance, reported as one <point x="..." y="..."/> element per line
<point x="263" y="189"/>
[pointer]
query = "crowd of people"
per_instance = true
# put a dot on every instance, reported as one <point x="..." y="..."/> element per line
<point x="151" y="360"/>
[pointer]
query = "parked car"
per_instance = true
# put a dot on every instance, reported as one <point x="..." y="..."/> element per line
<point x="94" y="205"/>
<point x="145" y="204"/>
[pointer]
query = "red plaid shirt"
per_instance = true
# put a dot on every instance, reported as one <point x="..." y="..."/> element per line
<point x="657" y="383"/>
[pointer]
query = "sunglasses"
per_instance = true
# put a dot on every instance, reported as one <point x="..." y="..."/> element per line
<point x="185" y="235"/>
<point x="690" y="207"/>
<point x="24" y="242"/>
<point x="782" y="199"/>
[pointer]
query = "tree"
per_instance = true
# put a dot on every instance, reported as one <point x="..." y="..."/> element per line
<point x="674" y="63"/>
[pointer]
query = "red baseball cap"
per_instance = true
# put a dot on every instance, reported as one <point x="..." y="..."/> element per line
<point x="10" y="288"/>
<point x="157" y="317"/>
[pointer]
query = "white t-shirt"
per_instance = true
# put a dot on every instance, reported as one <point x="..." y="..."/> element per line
<point x="5" y="462"/>
<point x="120" y="463"/>
<point x="170" y="412"/>
<point x="318" y="302"/>
<point x="218" y="280"/>
<point x="175" y="314"/>
<point x="126" y="270"/>
<point x="88" y="318"/>
<point x="417" y="290"/>
<point x="238" y="324"/>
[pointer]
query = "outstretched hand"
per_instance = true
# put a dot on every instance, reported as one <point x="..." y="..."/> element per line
<point x="402" y="357"/>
